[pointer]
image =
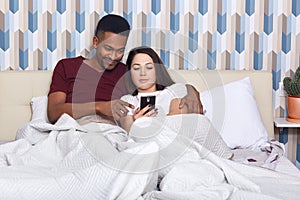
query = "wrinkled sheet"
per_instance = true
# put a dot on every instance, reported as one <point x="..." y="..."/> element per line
<point x="68" y="164"/>
<point x="265" y="155"/>
<point x="100" y="161"/>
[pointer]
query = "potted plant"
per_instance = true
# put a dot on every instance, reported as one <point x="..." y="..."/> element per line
<point x="292" y="88"/>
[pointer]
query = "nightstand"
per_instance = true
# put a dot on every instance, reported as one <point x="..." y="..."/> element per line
<point x="293" y="129"/>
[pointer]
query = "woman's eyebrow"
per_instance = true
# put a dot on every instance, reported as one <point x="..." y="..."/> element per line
<point x="141" y="64"/>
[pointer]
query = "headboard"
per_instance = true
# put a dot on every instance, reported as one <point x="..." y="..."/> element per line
<point x="18" y="87"/>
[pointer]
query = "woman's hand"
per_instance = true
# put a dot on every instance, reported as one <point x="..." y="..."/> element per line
<point x="143" y="113"/>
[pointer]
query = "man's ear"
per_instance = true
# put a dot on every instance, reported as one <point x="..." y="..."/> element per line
<point x="95" y="41"/>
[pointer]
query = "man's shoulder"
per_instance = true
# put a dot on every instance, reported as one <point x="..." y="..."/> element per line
<point x="78" y="59"/>
<point x="67" y="64"/>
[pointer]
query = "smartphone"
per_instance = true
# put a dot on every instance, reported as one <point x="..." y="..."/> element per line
<point x="146" y="100"/>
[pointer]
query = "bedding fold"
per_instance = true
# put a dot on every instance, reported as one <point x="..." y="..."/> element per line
<point x="177" y="157"/>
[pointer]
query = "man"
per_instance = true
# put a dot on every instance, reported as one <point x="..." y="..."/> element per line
<point x="82" y="87"/>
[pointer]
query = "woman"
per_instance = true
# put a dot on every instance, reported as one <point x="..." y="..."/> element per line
<point x="147" y="76"/>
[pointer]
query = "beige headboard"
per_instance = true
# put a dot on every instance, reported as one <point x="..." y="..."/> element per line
<point x="18" y="87"/>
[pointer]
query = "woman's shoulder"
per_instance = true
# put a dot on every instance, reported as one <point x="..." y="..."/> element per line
<point x="177" y="90"/>
<point x="176" y="86"/>
<point x="126" y="97"/>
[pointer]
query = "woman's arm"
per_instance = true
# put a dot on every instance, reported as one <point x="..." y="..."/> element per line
<point x="127" y="121"/>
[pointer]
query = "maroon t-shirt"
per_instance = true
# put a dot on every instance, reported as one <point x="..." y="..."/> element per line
<point x="82" y="83"/>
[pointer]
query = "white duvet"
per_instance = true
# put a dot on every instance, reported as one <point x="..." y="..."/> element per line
<point x="69" y="161"/>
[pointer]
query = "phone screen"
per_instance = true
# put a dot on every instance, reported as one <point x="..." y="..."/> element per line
<point x="146" y="100"/>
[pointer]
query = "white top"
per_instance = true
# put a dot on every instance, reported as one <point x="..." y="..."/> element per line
<point x="163" y="98"/>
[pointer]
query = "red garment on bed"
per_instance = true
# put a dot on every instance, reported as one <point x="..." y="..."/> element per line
<point x="82" y="83"/>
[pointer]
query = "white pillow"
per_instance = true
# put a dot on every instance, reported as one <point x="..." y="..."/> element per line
<point x="39" y="108"/>
<point x="234" y="113"/>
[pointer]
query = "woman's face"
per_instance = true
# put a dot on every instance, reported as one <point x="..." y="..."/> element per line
<point x="143" y="73"/>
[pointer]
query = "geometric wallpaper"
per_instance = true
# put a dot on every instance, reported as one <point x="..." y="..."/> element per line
<point x="189" y="34"/>
<point x="206" y="34"/>
<point x="212" y="34"/>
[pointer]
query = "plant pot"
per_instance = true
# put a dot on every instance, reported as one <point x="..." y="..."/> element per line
<point x="293" y="106"/>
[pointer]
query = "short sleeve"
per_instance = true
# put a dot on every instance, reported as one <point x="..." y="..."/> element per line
<point x="178" y="90"/>
<point x="59" y="82"/>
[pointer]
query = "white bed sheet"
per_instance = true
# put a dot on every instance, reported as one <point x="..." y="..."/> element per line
<point x="283" y="164"/>
<point x="65" y="151"/>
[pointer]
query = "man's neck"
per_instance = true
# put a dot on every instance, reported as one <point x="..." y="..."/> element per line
<point x="94" y="64"/>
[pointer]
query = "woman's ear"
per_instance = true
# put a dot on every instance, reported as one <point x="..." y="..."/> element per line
<point x="95" y="41"/>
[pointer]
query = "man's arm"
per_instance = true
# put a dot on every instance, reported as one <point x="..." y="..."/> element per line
<point x="191" y="100"/>
<point x="174" y="107"/>
<point x="57" y="106"/>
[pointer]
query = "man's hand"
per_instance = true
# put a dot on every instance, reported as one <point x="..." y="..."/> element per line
<point x="115" y="108"/>
<point x="192" y="101"/>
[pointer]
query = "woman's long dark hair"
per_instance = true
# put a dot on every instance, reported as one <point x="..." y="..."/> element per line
<point x="163" y="78"/>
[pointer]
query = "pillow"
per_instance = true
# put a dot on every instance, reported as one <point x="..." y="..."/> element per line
<point x="29" y="131"/>
<point x="39" y="108"/>
<point x="233" y="111"/>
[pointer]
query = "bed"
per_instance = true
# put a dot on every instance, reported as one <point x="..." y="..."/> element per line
<point x="48" y="158"/>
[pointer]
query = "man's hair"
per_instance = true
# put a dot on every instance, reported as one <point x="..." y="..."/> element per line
<point x="113" y="23"/>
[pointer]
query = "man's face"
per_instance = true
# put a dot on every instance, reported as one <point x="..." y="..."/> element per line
<point x="110" y="49"/>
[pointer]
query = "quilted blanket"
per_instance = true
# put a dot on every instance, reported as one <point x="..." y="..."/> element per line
<point x="101" y="161"/>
